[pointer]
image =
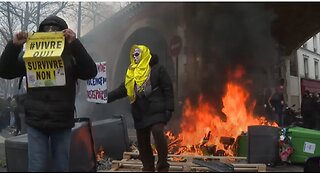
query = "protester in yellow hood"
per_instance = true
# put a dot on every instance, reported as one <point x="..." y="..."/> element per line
<point x="149" y="89"/>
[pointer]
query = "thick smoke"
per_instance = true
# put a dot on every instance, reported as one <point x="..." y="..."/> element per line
<point x="220" y="35"/>
<point x="228" y="35"/>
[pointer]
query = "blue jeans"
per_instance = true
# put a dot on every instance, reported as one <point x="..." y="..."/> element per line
<point x="38" y="150"/>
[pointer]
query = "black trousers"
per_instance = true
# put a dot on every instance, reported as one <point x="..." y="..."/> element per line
<point x="145" y="149"/>
<point x="308" y="120"/>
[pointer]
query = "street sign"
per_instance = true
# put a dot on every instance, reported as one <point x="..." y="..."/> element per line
<point x="175" y="45"/>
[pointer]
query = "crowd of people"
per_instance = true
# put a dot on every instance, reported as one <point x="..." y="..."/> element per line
<point x="277" y="110"/>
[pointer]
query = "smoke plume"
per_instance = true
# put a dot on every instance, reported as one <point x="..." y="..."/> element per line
<point x="228" y="35"/>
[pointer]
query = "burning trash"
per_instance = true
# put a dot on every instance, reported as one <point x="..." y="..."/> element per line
<point x="204" y="132"/>
<point x="103" y="163"/>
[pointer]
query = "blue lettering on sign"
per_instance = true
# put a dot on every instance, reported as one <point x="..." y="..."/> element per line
<point x="97" y="81"/>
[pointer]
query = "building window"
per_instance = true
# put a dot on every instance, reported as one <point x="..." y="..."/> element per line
<point x="315" y="44"/>
<point x="316" y="68"/>
<point x="306" y="66"/>
<point x="304" y="45"/>
<point x="294" y="66"/>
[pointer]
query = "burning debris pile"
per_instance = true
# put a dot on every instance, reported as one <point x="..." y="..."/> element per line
<point x="204" y="132"/>
<point x="202" y="148"/>
<point x="232" y="64"/>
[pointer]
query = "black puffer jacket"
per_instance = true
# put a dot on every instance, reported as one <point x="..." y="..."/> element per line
<point x="51" y="108"/>
<point x="150" y="110"/>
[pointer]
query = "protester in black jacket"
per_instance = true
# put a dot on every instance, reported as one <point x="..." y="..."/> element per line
<point x="317" y="111"/>
<point x="276" y="102"/>
<point x="49" y="111"/>
<point x="149" y="89"/>
<point x="307" y="110"/>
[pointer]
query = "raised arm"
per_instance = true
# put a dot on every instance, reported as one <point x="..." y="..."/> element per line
<point x="118" y="93"/>
<point x="10" y="64"/>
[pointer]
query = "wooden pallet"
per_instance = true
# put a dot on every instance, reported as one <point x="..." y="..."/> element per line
<point x="128" y="163"/>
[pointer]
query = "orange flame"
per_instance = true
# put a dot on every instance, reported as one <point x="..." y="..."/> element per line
<point x="202" y="126"/>
<point x="101" y="154"/>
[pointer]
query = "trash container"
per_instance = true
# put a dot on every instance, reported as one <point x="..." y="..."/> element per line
<point x="263" y="144"/>
<point x="82" y="154"/>
<point x="242" y="146"/>
<point x="112" y="135"/>
<point x="305" y="143"/>
<point x="16" y="149"/>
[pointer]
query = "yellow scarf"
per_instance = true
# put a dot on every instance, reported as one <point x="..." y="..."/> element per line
<point x="137" y="73"/>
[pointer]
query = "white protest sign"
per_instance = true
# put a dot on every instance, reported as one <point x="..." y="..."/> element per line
<point x="97" y="87"/>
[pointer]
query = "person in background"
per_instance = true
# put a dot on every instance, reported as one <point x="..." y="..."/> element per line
<point x="267" y="107"/>
<point x="149" y="89"/>
<point x="276" y="102"/>
<point x="16" y="111"/>
<point x="49" y="111"/>
<point x="3" y="122"/>
<point x="307" y="110"/>
<point x="11" y="107"/>
<point x="6" y="121"/>
<point x="316" y="110"/>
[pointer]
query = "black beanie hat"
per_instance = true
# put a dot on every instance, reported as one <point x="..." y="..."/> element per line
<point x="53" y="20"/>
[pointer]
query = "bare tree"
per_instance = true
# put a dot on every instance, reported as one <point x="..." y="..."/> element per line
<point x="79" y="19"/>
<point x="90" y="14"/>
<point x="26" y="16"/>
<point x="16" y="16"/>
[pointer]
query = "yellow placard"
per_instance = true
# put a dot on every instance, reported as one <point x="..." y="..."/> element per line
<point x="44" y="44"/>
<point x="43" y="61"/>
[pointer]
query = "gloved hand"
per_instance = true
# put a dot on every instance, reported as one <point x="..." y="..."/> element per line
<point x="168" y="115"/>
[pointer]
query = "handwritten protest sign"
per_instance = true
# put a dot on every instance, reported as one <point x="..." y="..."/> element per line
<point x="97" y="87"/>
<point x="44" y="65"/>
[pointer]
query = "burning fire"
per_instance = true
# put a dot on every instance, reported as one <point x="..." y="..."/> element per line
<point x="101" y="154"/>
<point x="204" y="132"/>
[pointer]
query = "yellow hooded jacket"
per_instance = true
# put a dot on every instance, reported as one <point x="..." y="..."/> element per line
<point x="137" y="73"/>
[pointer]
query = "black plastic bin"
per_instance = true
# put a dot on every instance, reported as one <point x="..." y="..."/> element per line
<point x="82" y="155"/>
<point x="17" y="153"/>
<point x="112" y="135"/>
<point x="263" y="144"/>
